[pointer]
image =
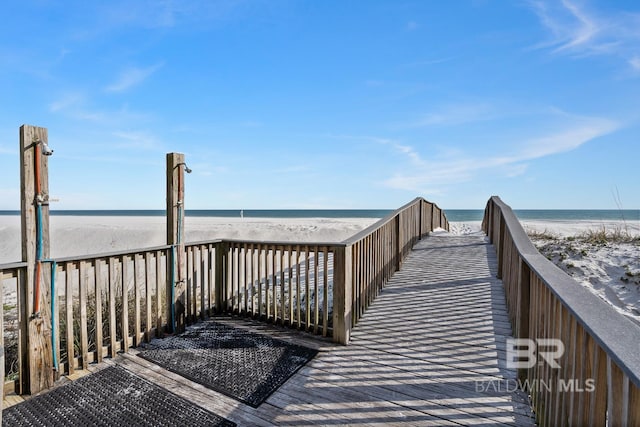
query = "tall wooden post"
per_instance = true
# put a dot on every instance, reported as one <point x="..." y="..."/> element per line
<point x="1" y="347"/>
<point x="342" y="294"/>
<point x="35" y="311"/>
<point x="176" y="267"/>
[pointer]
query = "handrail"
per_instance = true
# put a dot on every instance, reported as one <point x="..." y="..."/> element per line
<point x="373" y="255"/>
<point x="544" y="302"/>
<point x="13" y="266"/>
<point x="115" y="300"/>
<point x="381" y="222"/>
<point x="114" y="254"/>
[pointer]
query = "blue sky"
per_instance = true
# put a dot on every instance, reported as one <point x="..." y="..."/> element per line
<point x="326" y="104"/>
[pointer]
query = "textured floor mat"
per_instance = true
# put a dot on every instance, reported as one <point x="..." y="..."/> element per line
<point x="239" y="363"/>
<point x="110" y="397"/>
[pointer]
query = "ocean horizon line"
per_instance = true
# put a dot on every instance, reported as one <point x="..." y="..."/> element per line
<point x="455" y="215"/>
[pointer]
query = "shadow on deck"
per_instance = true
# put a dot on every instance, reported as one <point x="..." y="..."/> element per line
<point x="429" y="351"/>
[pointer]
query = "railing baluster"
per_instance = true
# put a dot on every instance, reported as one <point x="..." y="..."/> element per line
<point x="69" y="317"/>
<point x="599" y="378"/>
<point x="84" y="338"/>
<point x="249" y="278"/>
<point x="148" y="297"/>
<point x="325" y="292"/>
<point x="137" y="311"/>
<point x="125" y="297"/>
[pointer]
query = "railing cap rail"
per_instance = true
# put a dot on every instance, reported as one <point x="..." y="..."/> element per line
<point x="284" y="243"/>
<point x="13" y="265"/>
<point x="114" y="254"/>
<point x="616" y="334"/>
<point x="376" y="225"/>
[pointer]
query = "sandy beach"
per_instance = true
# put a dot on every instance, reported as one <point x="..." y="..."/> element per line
<point x="83" y="235"/>
<point x="610" y="269"/>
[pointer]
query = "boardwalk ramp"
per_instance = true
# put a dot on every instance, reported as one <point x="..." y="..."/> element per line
<point x="429" y="351"/>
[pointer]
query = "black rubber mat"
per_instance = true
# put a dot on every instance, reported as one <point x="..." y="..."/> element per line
<point x="239" y="363"/>
<point x="110" y="397"/>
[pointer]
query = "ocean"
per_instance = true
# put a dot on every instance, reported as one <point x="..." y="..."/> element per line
<point x="457" y="215"/>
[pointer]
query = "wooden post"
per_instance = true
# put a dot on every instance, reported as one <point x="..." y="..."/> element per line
<point x="220" y="276"/>
<point x="342" y="294"/>
<point x="398" y="248"/>
<point x="433" y="217"/>
<point x="36" y="371"/>
<point x="521" y="329"/>
<point x="1" y="346"/>
<point x="500" y="246"/>
<point x="176" y="267"/>
<point x="420" y="232"/>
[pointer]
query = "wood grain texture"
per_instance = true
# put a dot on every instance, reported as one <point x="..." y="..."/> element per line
<point x="36" y="371"/>
<point x="401" y="368"/>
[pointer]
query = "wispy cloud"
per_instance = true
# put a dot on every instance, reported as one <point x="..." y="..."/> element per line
<point x="456" y="115"/>
<point x="137" y="139"/>
<point x="427" y="62"/>
<point x="577" y="29"/>
<point x="429" y="175"/>
<point x="132" y="77"/>
<point x="77" y="106"/>
<point x="66" y="102"/>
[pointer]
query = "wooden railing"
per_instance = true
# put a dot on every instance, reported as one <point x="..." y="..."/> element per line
<point x="370" y="258"/>
<point x="281" y="282"/>
<point x="108" y="303"/>
<point x="10" y="276"/>
<point x="598" y="381"/>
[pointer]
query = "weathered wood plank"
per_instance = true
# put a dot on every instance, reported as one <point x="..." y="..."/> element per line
<point x="35" y="313"/>
<point x="68" y="268"/>
<point x="84" y="333"/>
<point x="102" y="282"/>
<point x="418" y="368"/>
<point x="115" y="277"/>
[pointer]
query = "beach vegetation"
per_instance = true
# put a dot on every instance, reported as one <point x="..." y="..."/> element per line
<point x="542" y="235"/>
<point x="603" y="236"/>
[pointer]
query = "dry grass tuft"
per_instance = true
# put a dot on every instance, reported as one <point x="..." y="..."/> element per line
<point x="602" y="236"/>
<point x="542" y="235"/>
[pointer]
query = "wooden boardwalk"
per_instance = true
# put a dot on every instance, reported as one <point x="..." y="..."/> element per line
<point x="429" y="351"/>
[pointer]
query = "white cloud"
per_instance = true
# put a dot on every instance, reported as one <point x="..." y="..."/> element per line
<point x="579" y="30"/>
<point x="137" y="139"/>
<point x="4" y="150"/>
<point x="132" y="77"/>
<point x="66" y="102"/>
<point x="429" y="175"/>
<point x="567" y="140"/>
<point x="635" y="63"/>
<point x="74" y="106"/>
<point x="456" y="115"/>
<point x="412" y="26"/>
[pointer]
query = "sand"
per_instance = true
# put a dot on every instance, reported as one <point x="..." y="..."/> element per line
<point x="83" y="235"/>
<point x="611" y="271"/>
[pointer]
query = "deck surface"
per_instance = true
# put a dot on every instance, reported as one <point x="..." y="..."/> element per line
<point x="429" y="351"/>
